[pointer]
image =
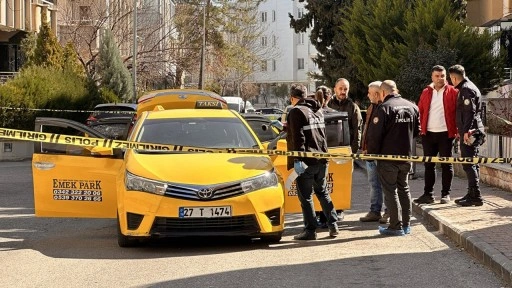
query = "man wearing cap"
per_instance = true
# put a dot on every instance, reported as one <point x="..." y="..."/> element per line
<point x="469" y="123"/>
<point x="306" y="132"/>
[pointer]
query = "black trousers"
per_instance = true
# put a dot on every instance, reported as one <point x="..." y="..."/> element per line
<point x="472" y="170"/>
<point x="394" y="179"/>
<point x="434" y="144"/>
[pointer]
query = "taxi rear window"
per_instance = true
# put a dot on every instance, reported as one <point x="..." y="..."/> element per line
<point x="198" y="132"/>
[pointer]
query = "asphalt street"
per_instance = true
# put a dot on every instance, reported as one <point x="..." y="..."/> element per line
<point x="55" y="252"/>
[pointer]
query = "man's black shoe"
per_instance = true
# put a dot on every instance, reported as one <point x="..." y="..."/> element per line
<point x="334" y="231"/>
<point x="470" y="202"/>
<point x="305" y="235"/>
<point x="424" y="199"/>
<point x="461" y="199"/>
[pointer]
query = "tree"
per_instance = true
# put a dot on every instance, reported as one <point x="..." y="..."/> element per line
<point x="414" y="36"/>
<point x="70" y="60"/>
<point x="48" y="51"/>
<point x="113" y="74"/>
<point x="242" y="53"/>
<point x="324" y="18"/>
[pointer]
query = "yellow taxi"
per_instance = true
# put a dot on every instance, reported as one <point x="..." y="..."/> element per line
<point x="164" y="193"/>
<point x="157" y="193"/>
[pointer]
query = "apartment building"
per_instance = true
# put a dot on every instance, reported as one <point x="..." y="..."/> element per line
<point x="17" y="18"/>
<point x="482" y="12"/>
<point x="83" y="21"/>
<point x="294" y="55"/>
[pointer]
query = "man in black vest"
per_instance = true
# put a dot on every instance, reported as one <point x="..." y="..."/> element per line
<point x="306" y="132"/>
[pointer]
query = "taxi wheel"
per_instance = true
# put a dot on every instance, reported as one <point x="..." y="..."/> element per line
<point x="125" y="241"/>
<point x="271" y="239"/>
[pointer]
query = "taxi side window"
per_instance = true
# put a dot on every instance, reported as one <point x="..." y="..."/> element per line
<point x="67" y="149"/>
<point x="264" y="135"/>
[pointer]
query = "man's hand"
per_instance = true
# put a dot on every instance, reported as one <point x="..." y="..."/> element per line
<point x="299" y="167"/>
<point x="466" y="138"/>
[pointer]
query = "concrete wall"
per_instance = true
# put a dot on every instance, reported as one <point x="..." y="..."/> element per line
<point x="13" y="150"/>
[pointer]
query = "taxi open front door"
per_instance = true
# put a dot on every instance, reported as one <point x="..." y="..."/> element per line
<point x="73" y="180"/>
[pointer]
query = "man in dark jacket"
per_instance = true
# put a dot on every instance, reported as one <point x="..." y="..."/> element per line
<point x="438" y="130"/>
<point x="344" y="104"/>
<point x="371" y="165"/>
<point x="306" y="132"/>
<point x="471" y="131"/>
<point x="392" y="131"/>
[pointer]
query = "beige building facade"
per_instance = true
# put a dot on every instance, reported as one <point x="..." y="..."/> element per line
<point x="17" y="18"/>
<point x="481" y="12"/>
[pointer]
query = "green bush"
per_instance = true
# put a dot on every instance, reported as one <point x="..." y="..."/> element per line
<point x="48" y="88"/>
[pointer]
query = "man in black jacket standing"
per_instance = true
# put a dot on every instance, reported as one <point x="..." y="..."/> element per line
<point x="306" y="132"/>
<point x="471" y="131"/>
<point x="392" y="131"/>
<point x="342" y="103"/>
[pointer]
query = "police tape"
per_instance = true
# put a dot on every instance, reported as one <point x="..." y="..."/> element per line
<point x="35" y="136"/>
<point x="66" y="110"/>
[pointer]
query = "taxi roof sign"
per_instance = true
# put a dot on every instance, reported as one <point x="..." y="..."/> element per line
<point x="181" y="99"/>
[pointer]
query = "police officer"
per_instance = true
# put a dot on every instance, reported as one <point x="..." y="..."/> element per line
<point x="392" y="129"/>
<point x="306" y="132"/>
<point x="471" y="131"/>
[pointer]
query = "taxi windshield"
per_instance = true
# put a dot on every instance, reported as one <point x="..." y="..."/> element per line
<point x="197" y="132"/>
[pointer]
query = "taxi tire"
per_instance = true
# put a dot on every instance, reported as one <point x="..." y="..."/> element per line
<point x="125" y="241"/>
<point x="272" y="239"/>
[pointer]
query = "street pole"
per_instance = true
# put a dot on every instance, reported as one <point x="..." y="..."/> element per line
<point x="134" y="64"/>
<point x="203" y="49"/>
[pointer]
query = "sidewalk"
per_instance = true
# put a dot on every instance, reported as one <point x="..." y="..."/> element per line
<point x="485" y="232"/>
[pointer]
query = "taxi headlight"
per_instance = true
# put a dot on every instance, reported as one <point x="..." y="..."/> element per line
<point x="137" y="183"/>
<point x="269" y="179"/>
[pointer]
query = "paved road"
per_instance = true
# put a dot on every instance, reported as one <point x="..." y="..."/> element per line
<point x="52" y="252"/>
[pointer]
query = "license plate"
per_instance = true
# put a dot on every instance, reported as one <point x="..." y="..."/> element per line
<point x="205" y="212"/>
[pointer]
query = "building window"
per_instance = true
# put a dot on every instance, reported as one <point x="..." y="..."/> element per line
<point x="300" y="38"/>
<point x="274" y="40"/>
<point x="264" y="41"/>
<point x="273" y="64"/>
<point x="264" y="65"/>
<point x="85" y="13"/>
<point x="273" y="15"/>
<point x="300" y="64"/>
<point x="300" y="13"/>
<point x="263" y="16"/>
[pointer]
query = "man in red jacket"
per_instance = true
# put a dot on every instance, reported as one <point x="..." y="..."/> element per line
<point x="438" y="130"/>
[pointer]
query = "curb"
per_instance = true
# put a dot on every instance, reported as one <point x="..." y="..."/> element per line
<point x="485" y="253"/>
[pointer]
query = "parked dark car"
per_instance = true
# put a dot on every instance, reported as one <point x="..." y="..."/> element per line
<point x="113" y="120"/>
<point x="271" y="113"/>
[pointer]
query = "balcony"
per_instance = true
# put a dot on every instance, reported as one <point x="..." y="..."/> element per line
<point x="4" y="76"/>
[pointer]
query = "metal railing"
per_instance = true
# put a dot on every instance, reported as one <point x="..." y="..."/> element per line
<point x="497" y="146"/>
<point x="4" y="76"/>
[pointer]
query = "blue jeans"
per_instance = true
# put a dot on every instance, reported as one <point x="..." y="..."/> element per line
<point x="376" y="197"/>
<point x="313" y="179"/>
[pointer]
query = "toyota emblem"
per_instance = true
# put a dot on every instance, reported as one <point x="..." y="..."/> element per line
<point x="205" y="193"/>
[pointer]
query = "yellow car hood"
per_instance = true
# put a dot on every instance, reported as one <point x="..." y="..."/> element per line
<point x="200" y="168"/>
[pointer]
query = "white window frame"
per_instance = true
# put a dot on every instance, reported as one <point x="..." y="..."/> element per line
<point x="264" y="41"/>
<point x="263" y="16"/>
<point x="300" y="63"/>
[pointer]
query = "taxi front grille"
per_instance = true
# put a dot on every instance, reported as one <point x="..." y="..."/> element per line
<point x="237" y="225"/>
<point x="190" y="192"/>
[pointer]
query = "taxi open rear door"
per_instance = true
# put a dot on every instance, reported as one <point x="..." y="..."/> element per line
<point x="74" y="180"/>
<point x="339" y="176"/>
